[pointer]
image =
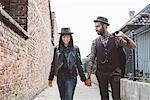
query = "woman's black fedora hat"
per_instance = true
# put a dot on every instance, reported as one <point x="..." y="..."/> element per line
<point x="102" y="19"/>
<point x="65" y="31"/>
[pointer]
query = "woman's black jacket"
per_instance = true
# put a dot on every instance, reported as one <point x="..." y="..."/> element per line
<point x="73" y="61"/>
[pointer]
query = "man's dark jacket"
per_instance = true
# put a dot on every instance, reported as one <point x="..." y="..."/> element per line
<point x="108" y="57"/>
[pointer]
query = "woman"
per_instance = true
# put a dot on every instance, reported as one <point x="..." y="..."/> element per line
<point x="66" y="62"/>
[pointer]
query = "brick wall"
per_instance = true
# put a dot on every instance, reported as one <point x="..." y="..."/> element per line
<point x="25" y="64"/>
<point x="13" y="65"/>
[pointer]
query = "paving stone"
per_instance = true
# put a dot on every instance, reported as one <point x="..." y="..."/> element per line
<point x="82" y="92"/>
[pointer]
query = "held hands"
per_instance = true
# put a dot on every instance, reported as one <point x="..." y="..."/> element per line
<point x="50" y="83"/>
<point x="88" y="82"/>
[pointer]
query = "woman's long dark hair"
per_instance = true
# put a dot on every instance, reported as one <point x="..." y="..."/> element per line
<point x="61" y="43"/>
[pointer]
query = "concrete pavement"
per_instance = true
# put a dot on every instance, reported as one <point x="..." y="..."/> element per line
<point x="82" y="92"/>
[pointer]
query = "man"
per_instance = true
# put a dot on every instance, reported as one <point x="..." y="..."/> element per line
<point x="105" y="50"/>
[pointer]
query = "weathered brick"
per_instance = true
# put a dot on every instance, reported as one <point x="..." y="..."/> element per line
<point x="25" y="64"/>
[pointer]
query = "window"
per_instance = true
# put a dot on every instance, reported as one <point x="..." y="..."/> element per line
<point x="17" y="9"/>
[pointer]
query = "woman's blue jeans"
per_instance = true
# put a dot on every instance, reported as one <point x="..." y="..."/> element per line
<point x="66" y="86"/>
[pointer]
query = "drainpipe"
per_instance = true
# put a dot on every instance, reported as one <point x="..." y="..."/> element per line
<point x="52" y="24"/>
<point x="133" y="34"/>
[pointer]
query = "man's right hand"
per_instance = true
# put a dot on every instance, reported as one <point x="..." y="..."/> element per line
<point x="50" y="83"/>
<point x="90" y="67"/>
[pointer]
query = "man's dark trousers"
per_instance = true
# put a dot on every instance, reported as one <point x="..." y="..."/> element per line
<point x="114" y="80"/>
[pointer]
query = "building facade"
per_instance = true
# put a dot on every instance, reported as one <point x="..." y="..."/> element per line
<point x="138" y="28"/>
<point x="26" y="49"/>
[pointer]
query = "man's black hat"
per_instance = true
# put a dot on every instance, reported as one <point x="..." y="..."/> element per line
<point x="102" y="19"/>
<point x="65" y="31"/>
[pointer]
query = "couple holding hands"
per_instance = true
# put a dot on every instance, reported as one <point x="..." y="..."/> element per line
<point x="66" y="64"/>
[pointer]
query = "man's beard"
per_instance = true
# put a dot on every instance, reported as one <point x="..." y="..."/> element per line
<point x="101" y="32"/>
